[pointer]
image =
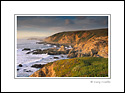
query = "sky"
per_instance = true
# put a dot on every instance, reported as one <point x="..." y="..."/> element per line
<point x="43" y="26"/>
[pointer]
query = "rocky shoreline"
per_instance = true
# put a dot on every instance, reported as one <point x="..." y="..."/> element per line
<point x="91" y="44"/>
<point x="59" y="49"/>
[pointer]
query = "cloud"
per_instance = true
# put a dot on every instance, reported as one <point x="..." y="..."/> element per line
<point x="51" y="24"/>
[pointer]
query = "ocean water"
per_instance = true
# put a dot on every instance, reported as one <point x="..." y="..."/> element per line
<point x="27" y="60"/>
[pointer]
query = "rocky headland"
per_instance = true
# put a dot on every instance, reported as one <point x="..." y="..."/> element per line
<point x="84" y="43"/>
<point x="88" y="44"/>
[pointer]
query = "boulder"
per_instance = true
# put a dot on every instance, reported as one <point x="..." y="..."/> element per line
<point x="37" y="66"/>
<point x="28" y="52"/>
<point x="29" y="71"/>
<point x="25" y="70"/>
<point x="26" y="49"/>
<point x="20" y="65"/>
<point x="56" y="57"/>
<point x="37" y="51"/>
<point x="17" y="69"/>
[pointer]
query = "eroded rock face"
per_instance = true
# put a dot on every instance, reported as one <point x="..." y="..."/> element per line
<point x="85" y="43"/>
<point x="62" y="48"/>
<point x="97" y="46"/>
<point x="94" y="47"/>
<point x="46" y="71"/>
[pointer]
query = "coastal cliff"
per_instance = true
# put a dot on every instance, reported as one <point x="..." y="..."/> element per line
<point x="89" y="55"/>
<point x="85" y="43"/>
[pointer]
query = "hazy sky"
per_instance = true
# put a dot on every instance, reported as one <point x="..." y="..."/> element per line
<point x="42" y="26"/>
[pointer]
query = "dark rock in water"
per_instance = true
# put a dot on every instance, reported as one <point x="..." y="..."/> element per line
<point x="18" y="69"/>
<point x="62" y="56"/>
<point x="29" y="71"/>
<point x="28" y="52"/>
<point x="38" y="50"/>
<point x="40" y="42"/>
<point x="25" y="70"/>
<point x="20" y="65"/>
<point x="37" y="66"/>
<point x="50" y="51"/>
<point x="26" y="49"/>
<point x="56" y="57"/>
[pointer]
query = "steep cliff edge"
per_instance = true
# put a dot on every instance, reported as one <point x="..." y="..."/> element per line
<point x="85" y="43"/>
<point x="46" y="71"/>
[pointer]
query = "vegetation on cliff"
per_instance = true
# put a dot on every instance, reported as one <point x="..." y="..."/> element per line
<point x="75" y="67"/>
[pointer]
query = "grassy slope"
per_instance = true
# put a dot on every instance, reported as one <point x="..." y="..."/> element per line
<point x="81" y="67"/>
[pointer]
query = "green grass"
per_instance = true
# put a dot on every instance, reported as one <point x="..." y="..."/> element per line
<point x="82" y="67"/>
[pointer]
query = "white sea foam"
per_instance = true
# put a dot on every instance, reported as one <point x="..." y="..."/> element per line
<point x="27" y="60"/>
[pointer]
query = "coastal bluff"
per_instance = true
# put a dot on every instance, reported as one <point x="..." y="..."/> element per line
<point x="88" y="55"/>
<point x="84" y="42"/>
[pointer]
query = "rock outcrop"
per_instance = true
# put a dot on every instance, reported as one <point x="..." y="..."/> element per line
<point x="26" y="49"/>
<point x="46" y="71"/>
<point x="85" y="43"/>
<point x="97" y="47"/>
<point x="62" y="48"/>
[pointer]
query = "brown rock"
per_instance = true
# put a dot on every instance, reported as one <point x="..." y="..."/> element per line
<point x="62" y="48"/>
<point x="46" y="71"/>
<point x="37" y="66"/>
